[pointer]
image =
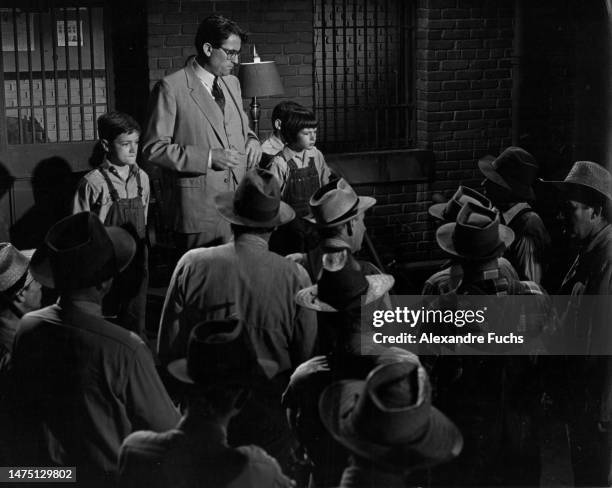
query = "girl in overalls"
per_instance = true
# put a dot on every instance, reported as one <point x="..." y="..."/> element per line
<point x="118" y="193"/>
<point x="301" y="170"/>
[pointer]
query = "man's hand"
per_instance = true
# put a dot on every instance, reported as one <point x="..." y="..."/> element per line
<point x="253" y="150"/>
<point x="222" y="159"/>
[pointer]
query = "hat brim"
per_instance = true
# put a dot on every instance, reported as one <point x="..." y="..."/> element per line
<point x="123" y="244"/>
<point x="569" y="188"/>
<point x="486" y="167"/>
<point x="363" y="204"/>
<point x="378" y="285"/>
<point x="437" y="211"/>
<point x="225" y="206"/>
<point x="444" y="237"/>
<point x="178" y="370"/>
<point x="442" y="441"/>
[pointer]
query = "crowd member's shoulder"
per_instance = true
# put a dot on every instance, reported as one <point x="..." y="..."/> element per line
<point x="149" y="443"/>
<point x="531" y="288"/>
<point x="261" y="470"/>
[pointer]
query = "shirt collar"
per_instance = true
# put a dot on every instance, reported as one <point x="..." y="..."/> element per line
<point x="107" y="165"/>
<point x="291" y="154"/>
<point x="204" y="75"/>
<point x="84" y="306"/>
<point x="514" y="211"/>
<point x="252" y="240"/>
<point x="275" y="141"/>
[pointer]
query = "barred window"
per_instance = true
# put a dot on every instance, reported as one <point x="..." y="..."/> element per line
<point x="364" y="74"/>
<point x="55" y="74"/>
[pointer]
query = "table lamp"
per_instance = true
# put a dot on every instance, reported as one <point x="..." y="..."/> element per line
<point x="259" y="79"/>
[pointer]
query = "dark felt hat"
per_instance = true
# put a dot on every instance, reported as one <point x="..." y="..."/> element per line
<point x="221" y="352"/>
<point x="342" y="285"/>
<point x="389" y="419"/>
<point x="336" y="203"/>
<point x="256" y="202"/>
<point x="514" y="169"/>
<point x="448" y="211"/>
<point x="477" y="234"/>
<point x="79" y="252"/>
<point x="586" y="175"/>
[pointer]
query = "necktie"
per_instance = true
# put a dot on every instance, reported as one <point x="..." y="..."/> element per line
<point x="217" y="93"/>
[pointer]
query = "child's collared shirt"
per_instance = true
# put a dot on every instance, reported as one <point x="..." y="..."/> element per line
<point x="272" y="145"/>
<point x="280" y="169"/>
<point x="94" y="196"/>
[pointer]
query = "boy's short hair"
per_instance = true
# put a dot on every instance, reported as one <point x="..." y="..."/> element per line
<point x="297" y="119"/>
<point x="113" y="124"/>
<point x="214" y="30"/>
<point x="282" y="109"/>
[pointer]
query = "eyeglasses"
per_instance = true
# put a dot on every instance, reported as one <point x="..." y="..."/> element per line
<point x="230" y="53"/>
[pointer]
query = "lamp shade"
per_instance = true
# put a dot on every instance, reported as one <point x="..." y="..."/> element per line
<point x="260" y="79"/>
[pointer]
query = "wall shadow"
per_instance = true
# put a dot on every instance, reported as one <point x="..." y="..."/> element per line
<point x="53" y="186"/>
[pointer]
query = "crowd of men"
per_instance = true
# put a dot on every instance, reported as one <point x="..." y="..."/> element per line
<point x="263" y="374"/>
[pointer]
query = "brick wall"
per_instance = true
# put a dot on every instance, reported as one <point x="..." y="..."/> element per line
<point x="463" y="93"/>
<point x="281" y="31"/>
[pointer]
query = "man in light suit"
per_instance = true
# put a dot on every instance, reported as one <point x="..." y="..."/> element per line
<point x="197" y="129"/>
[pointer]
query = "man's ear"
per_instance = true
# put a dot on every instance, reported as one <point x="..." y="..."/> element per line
<point x="207" y="49"/>
<point x="349" y="227"/>
<point x="596" y="212"/>
<point x="19" y="298"/>
<point x="277" y="124"/>
<point x="105" y="145"/>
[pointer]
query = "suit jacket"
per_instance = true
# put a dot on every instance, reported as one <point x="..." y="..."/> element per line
<point x="184" y="124"/>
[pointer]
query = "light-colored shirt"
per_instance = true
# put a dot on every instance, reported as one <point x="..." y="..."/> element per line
<point x="272" y="145"/>
<point x="246" y="279"/>
<point x="93" y="195"/>
<point x="177" y="459"/>
<point x="280" y="169"/>
<point x="205" y="76"/>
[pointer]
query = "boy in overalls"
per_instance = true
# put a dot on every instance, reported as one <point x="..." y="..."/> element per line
<point x="118" y="193"/>
<point x="301" y="170"/>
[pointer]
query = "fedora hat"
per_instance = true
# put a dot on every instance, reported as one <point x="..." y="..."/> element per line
<point x="14" y="265"/>
<point x="448" y="211"/>
<point x="514" y="169"/>
<point x="79" y="252"/>
<point x="336" y="203"/>
<point x="586" y="175"/>
<point x="389" y="419"/>
<point x="343" y="285"/>
<point x="221" y="352"/>
<point x="477" y="234"/>
<point x="256" y="202"/>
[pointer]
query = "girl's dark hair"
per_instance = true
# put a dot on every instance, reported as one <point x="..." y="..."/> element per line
<point x="297" y="119"/>
<point x="113" y="124"/>
<point x="282" y="109"/>
<point x="214" y="30"/>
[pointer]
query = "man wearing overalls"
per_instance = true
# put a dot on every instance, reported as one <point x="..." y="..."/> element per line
<point x="118" y="193"/>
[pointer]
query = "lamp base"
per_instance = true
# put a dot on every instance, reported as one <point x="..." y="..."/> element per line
<point x="255" y="112"/>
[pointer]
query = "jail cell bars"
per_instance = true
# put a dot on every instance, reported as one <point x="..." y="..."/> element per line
<point x="55" y="78"/>
<point x="364" y="74"/>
